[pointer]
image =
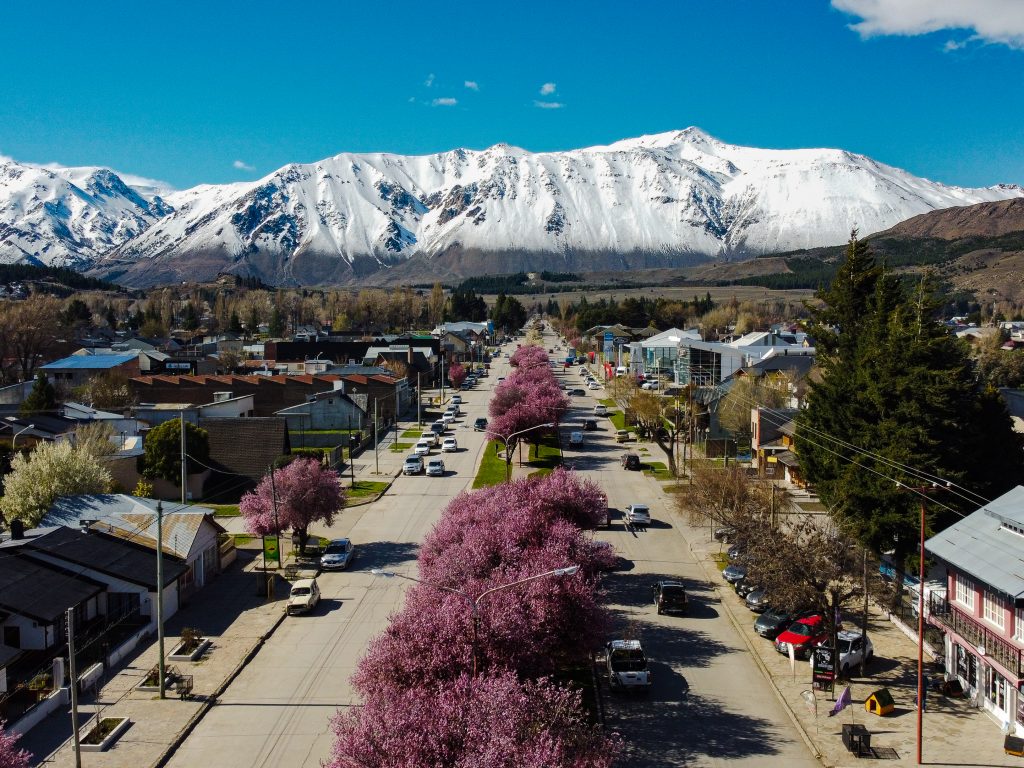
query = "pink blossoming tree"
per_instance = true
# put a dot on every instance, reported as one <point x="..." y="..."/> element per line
<point x="306" y="493"/>
<point x="457" y="374"/>
<point x="10" y="755"/>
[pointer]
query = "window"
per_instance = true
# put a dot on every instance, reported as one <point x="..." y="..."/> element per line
<point x="1018" y="624"/>
<point x="964" y="591"/>
<point x="994" y="613"/>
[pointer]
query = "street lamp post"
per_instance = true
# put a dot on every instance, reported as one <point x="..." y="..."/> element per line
<point x="506" y="438"/>
<point x="474" y="602"/>
<point x="14" y="440"/>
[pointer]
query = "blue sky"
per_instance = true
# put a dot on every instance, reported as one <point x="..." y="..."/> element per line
<point x="209" y="92"/>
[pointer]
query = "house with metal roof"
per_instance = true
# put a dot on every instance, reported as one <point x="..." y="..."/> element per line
<point x="982" y="612"/>
<point x="78" y="369"/>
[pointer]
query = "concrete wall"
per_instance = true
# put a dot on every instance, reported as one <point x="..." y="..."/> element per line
<point x="60" y="697"/>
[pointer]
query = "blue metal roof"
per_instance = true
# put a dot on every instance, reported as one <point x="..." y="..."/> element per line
<point x="90" y="362"/>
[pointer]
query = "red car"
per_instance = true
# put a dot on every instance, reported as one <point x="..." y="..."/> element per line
<point x="803" y="634"/>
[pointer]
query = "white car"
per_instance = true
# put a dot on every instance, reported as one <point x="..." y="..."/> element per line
<point x="600" y="410"/>
<point x="429" y="435"/>
<point x="435" y="468"/>
<point x="650" y="385"/>
<point x="413" y="465"/>
<point x="593" y="385"/>
<point x="852" y="646"/>
<point x="638" y="514"/>
<point x="422" y="448"/>
<point x="304" y="596"/>
<point x="456" y="399"/>
<point x="338" y="554"/>
<point x="576" y="439"/>
<point x="627" y="668"/>
<point x="448" y="417"/>
<point x="450" y="445"/>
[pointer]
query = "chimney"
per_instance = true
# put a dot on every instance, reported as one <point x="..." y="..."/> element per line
<point x="17" y="529"/>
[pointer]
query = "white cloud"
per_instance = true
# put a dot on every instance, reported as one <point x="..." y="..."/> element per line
<point x="954" y="45"/>
<point x="242" y="166"/>
<point x="547" y="89"/>
<point x="994" y="21"/>
<point x="445" y="102"/>
<point x="548" y="104"/>
<point x="430" y="80"/>
<point x="472" y="85"/>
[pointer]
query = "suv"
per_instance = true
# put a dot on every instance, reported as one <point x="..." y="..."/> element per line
<point x="630" y="461"/>
<point x="304" y="596"/>
<point x="600" y="410"/>
<point x="413" y="465"/>
<point x="423" y="447"/>
<point x="576" y="438"/>
<point x="622" y="436"/>
<point x="429" y="435"/>
<point x="589" y="425"/>
<point x="626" y="666"/>
<point x="670" y="596"/>
<point x="480" y="424"/>
<point x="638" y="514"/>
<point x="438" y="427"/>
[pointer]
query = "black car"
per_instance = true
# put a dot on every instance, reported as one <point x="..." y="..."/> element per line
<point x="630" y="461"/>
<point x="670" y="597"/>
<point x="744" y="587"/>
<point x="576" y="393"/>
<point x="774" y="622"/>
<point x="590" y="425"/>
<point x="480" y="424"/>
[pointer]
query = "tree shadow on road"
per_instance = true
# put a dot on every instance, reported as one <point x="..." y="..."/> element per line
<point x="384" y="554"/>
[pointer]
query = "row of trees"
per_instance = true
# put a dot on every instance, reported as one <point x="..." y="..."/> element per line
<point x="467" y="677"/>
<point x="527" y="399"/>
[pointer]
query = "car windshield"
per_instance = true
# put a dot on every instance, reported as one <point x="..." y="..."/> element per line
<point x="300" y="591"/>
<point x="624" y="660"/>
<point x="639" y="508"/>
<point x="673" y="590"/>
<point x="845" y="646"/>
<point x="336" y="549"/>
<point x="801" y="630"/>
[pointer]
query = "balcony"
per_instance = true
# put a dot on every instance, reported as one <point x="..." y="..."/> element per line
<point x="948" y="616"/>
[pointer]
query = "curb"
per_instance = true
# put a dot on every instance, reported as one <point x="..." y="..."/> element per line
<point x="376" y="498"/>
<point x="207" y="705"/>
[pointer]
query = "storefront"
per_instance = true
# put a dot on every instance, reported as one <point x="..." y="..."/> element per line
<point x="986" y="684"/>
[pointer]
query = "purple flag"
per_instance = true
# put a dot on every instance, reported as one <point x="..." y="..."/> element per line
<point x="842" y="702"/>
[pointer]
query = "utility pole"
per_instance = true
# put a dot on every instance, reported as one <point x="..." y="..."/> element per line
<point x="277" y="524"/>
<point x="376" y="455"/>
<point x="419" y="401"/>
<point x="351" y="466"/>
<point x="184" y="474"/>
<point x="398" y="409"/>
<point x="73" y="670"/>
<point x="160" y="594"/>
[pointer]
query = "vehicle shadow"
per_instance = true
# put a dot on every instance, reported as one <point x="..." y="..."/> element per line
<point x="384" y="554"/>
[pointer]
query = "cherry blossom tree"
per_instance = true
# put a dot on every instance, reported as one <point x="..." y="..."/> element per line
<point x="306" y="493"/>
<point x="495" y="721"/>
<point x="10" y="755"/>
<point x="457" y="374"/>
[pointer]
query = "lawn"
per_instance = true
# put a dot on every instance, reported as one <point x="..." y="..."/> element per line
<point x="492" y="467"/>
<point x="222" y="510"/>
<point x="721" y="560"/>
<point x="618" y="418"/>
<point x="656" y="469"/>
<point x="364" y="489"/>
<point x="546" y="454"/>
<point x="399" y="447"/>
<point x="415" y="433"/>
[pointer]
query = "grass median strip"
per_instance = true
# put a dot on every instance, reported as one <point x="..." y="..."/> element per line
<point x="492" y="467"/>
<point x="364" y="489"/>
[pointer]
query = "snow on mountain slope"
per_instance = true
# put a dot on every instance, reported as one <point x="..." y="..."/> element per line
<point x="69" y="216"/>
<point x="667" y="196"/>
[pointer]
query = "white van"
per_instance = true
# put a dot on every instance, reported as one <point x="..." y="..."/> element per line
<point x="621" y="371"/>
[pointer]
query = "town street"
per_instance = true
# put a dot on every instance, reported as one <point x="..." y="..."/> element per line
<point x="709" y="703"/>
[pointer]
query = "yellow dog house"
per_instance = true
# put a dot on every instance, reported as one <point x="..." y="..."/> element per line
<point x="880" y="702"/>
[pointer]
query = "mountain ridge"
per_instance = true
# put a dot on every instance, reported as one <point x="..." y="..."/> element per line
<point x="664" y="199"/>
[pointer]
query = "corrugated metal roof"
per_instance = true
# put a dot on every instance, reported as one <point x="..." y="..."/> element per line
<point x="982" y="545"/>
<point x="89" y="362"/>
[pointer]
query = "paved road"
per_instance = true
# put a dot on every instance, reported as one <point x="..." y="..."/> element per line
<point x="709" y="703"/>
<point x="277" y="712"/>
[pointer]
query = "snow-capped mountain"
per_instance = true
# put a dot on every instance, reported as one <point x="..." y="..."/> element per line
<point x="661" y="199"/>
<point x="71" y="216"/>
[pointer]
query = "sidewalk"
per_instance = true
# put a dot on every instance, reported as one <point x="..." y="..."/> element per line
<point x="954" y="733"/>
<point x="230" y="613"/>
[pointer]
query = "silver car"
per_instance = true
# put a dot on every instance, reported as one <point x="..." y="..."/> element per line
<point x="337" y="554"/>
<point x="638" y="514"/>
<point x="435" y="468"/>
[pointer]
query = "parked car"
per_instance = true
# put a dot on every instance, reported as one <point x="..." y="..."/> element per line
<point x="450" y="445"/>
<point x="852" y="647"/>
<point x="773" y="622"/>
<point x="576" y="392"/>
<point x="304" y="596"/>
<point x="456" y="399"/>
<point x="803" y="634"/>
<point x="589" y="425"/>
<point x="621" y="435"/>
<point x="600" y="410"/>
<point x="650" y="385"/>
<point x="593" y="385"/>
<point x="733" y="573"/>
<point x="337" y="554"/>
<point x="413" y="465"/>
<point x="735" y="551"/>
<point x="448" y="417"/>
<point x="626" y="666"/>
<point x="630" y="461"/>
<point x="670" y="597"/>
<point x="480" y="424"/>
<point x="724" y="534"/>
<point x="435" y="468"/>
<point x="638" y="514"/>
<point x="422" y="448"/>
<point x="575" y="439"/>
<point x="431" y="436"/>
<point x="744" y="587"/>
<point x="757" y="600"/>
<point x="438" y="427"/>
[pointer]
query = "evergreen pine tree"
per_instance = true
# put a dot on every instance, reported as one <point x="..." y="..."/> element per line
<point x="41" y="400"/>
